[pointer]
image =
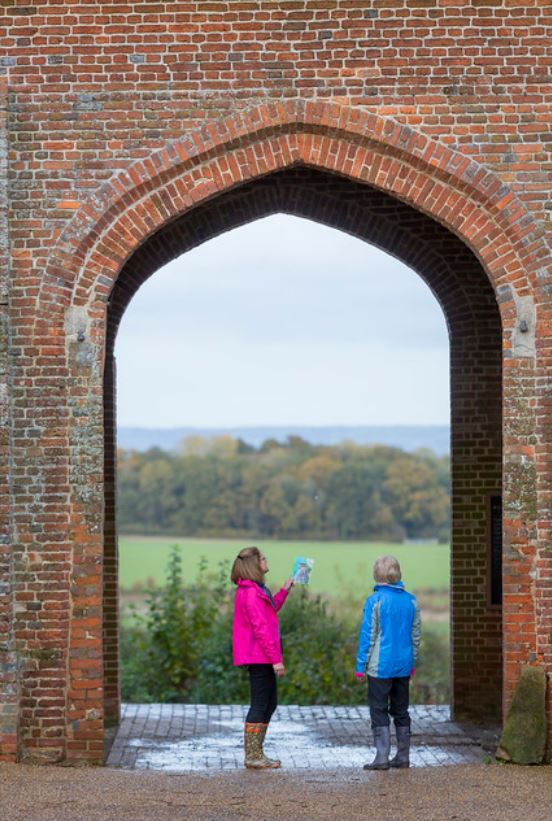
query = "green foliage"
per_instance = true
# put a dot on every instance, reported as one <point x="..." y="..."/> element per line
<point x="430" y="684"/>
<point x="320" y="653"/>
<point x="284" y="490"/>
<point x="163" y="647"/>
<point x="180" y="649"/>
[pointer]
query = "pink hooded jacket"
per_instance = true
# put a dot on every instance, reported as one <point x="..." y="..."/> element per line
<point x="256" y="635"/>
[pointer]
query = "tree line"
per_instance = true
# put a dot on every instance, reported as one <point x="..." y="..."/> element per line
<point x="293" y="489"/>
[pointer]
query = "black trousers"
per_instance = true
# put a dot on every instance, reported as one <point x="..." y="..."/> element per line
<point x="264" y="693"/>
<point x="389" y="697"/>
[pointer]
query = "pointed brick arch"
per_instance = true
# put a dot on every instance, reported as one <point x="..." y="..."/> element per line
<point x="464" y="196"/>
<point x="67" y="322"/>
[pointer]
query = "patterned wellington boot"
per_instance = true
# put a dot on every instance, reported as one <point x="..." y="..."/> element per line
<point x="274" y="762"/>
<point x="253" y="744"/>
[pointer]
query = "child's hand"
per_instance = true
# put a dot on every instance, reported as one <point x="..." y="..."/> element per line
<point x="412" y="672"/>
<point x="360" y="676"/>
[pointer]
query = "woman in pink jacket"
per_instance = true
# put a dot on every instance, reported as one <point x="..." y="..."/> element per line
<point x="257" y="645"/>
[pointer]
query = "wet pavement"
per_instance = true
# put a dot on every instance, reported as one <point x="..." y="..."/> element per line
<point x="177" y="738"/>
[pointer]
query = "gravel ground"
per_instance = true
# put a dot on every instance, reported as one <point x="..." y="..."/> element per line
<point x="463" y="793"/>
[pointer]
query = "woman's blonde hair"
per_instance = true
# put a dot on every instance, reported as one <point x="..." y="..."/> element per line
<point x="247" y="565"/>
<point x="387" y="570"/>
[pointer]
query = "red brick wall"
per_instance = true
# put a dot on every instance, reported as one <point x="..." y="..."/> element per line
<point x="9" y="706"/>
<point x="444" y="106"/>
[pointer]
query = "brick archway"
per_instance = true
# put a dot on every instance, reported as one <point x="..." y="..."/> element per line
<point x="467" y="299"/>
<point x="114" y="226"/>
<point x="466" y="197"/>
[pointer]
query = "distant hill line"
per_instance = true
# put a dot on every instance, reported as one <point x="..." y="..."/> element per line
<point x="406" y="437"/>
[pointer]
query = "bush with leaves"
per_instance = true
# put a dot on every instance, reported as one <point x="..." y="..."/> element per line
<point x="430" y="684"/>
<point x="161" y="651"/>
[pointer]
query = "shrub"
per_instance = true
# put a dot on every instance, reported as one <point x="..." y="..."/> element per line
<point x="430" y="684"/>
<point x="161" y="651"/>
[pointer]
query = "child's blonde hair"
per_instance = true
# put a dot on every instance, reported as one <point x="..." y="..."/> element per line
<point x="387" y="570"/>
<point x="247" y="565"/>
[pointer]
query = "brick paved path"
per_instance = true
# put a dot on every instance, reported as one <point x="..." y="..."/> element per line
<point x="180" y="737"/>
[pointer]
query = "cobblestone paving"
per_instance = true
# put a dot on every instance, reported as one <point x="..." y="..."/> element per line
<point x="182" y="737"/>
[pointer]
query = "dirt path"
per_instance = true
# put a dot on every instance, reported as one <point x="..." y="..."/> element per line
<point x="463" y="793"/>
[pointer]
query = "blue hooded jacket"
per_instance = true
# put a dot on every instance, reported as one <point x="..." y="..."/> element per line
<point x="390" y="632"/>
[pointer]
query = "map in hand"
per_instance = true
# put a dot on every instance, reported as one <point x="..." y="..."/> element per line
<point x="302" y="569"/>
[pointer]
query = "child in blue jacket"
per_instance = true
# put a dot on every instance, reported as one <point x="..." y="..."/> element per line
<point x="387" y="653"/>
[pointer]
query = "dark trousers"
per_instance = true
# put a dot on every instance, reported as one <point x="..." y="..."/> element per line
<point x="264" y="693"/>
<point x="389" y="697"/>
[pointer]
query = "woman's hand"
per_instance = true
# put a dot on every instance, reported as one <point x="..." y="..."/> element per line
<point x="288" y="584"/>
<point x="279" y="669"/>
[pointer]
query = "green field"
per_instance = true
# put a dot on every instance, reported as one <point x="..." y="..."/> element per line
<point x="341" y="568"/>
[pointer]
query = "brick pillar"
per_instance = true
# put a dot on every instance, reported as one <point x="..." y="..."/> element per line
<point x="110" y="559"/>
<point x="525" y="558"/>
<point x="9" y="701"/>
<point x="84" y="345"/>
<point x="543" y="461"/>
<point x="476" y="468"/>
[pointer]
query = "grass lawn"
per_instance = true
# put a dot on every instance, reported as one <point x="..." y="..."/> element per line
<point x="341" y="568"/>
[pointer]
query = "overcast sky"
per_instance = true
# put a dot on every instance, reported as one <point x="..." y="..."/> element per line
<point x="283" y="322"/>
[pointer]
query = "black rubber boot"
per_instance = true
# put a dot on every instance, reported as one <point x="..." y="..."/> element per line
<point x="402" y="758"/>
<point x="382" y="740"/>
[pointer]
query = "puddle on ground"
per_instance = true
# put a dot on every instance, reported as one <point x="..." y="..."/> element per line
<point x="297" y="745"/>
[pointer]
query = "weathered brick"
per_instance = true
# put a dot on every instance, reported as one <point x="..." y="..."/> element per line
<point x="135" y="132"/>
